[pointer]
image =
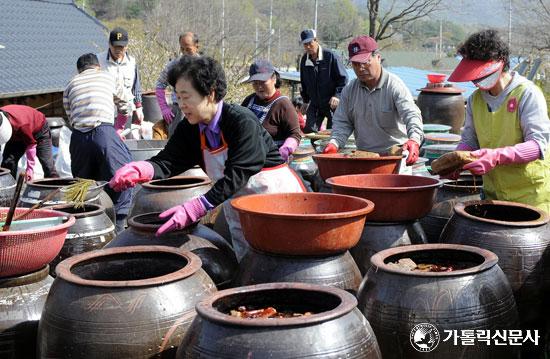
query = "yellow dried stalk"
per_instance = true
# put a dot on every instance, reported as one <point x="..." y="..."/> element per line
<point x="77" y="191"/>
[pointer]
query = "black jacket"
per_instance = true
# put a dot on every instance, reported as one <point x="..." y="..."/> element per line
<point x="250" y="148"/>
<point x="322" y="81"/>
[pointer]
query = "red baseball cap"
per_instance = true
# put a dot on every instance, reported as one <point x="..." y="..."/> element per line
<point x="361" y="48"/>
<point x="468" y="70"/>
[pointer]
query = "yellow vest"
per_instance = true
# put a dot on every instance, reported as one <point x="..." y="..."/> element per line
<point x="527" y="183"/>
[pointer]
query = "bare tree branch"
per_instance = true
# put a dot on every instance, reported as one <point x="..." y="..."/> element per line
<point x="414" y="10"/>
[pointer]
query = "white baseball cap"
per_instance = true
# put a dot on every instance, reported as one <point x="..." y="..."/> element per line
<point x="5" y="129"/>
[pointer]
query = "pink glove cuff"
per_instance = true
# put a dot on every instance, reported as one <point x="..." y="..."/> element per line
<point x="161" y="98"/>
<point x="145" y="169"/>
<point x="526" y="151"/>
<point x="31" y="153"/>
<point x="167" y="114"/>
<point x="488" y="158"/>
<point x="207" y="205"/>
<point x="291" y="143"/>
<point x="195" y="209"/>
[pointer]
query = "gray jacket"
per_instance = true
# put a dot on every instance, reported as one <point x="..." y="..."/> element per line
<point x="378" y="118"/>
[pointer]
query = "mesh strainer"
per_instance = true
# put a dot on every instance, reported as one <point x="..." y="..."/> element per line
<point x="29" y="250"/>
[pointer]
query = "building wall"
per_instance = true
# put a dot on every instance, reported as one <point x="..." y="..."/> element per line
<point x="50" y="104"/>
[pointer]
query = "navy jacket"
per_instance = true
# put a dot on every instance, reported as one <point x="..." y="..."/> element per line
<point x="324" y="80"/>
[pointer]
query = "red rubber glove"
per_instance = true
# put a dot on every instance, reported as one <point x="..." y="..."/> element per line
<point x="182" y="216"/>
<point x="131" y="174"/>
<point x="330" y="148"/>
<point x="489" y="158"/>
<point x="414" y="150"/>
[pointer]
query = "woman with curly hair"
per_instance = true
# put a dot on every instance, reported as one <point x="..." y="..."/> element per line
<point x="226" y="140"/>
<point x="506" y="125"/>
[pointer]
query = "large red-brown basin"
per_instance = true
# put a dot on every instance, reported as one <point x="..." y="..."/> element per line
<point x="398" y="198"/>
<point x="302" y="223"/>
<point x="338" y="164"/>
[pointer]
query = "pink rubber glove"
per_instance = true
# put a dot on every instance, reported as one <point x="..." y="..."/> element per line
<point x="288" y="147"/>
<point x="167" y="114"/>
<point x="182" y="216"/>
<point x="456" y="174"/>
<point x="330" y="148"/>
<point x="414" y="150"/>
<point x="489" y="158"/>
<point x="31" y="161"/>
<point x="120" y="121"/>
<point x="131" y="174"/>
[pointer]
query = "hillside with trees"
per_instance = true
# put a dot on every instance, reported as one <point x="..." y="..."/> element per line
<point x="237" y="31"/>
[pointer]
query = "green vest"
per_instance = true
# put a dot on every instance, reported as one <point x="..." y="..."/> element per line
<point x="527" y="183"/>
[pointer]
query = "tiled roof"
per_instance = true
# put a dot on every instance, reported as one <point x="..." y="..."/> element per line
<point x="40" y="42"/>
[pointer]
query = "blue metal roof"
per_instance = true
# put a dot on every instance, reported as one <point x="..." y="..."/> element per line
<point x="40" y="42"/>
<point x="414" y="79"/>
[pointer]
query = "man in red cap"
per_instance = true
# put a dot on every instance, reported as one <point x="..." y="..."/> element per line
<point x="376" y="107"/>
<point x="506" y="125"/>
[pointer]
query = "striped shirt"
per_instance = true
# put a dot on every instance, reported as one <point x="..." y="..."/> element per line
<point x="88" y="100"/>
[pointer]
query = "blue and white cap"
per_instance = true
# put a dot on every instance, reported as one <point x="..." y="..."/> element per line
<point x="308" y="35"/>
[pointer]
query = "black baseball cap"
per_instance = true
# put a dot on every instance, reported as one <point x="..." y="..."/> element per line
<point x="118" y="37"/>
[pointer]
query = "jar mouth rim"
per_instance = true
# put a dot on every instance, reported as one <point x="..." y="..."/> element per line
<point x="543" y="217"/>
<point x="490" y="259"/>
<point x="134" y="222"/>
<point x="95" y="209"/>
<point x="207" y="310"/>
<point x="28" y="278"/>
<point x="47" y="182"/>
<point x="64" y="269"/>
<point x="199" y="181"/>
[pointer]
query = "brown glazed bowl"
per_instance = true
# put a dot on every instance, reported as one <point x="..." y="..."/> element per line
<point x="302" y="223"/>
<point x="397" y="198"/>
<point x="338" y="164"/>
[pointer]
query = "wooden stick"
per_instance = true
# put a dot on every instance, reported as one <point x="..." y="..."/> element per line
<point x="15" y="199"/>
<point x="39" y="204"/>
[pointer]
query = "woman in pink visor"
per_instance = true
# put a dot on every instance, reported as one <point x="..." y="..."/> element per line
<point x="506" y="125"/>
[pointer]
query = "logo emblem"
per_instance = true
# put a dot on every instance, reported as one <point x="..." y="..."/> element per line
<point x="512" y="104"/>
<point x="118" y="36"/>
<point x="355" y="49"/>
<point x="424" y="337"/>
